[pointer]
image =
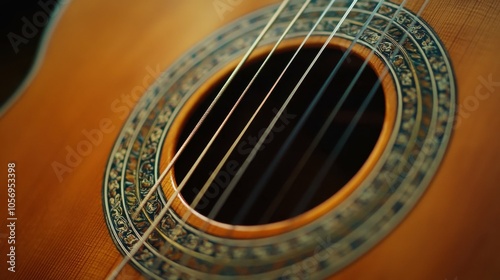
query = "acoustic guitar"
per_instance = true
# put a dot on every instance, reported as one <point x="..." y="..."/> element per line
<point x="231" y="139"/>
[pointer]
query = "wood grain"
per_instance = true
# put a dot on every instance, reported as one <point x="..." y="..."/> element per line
<point x="103" y="52"/>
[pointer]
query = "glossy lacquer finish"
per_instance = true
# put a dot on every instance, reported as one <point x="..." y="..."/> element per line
<point x="101" y="58"/>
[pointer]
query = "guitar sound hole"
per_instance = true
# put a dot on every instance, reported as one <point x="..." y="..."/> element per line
<point x="352" y="156"/>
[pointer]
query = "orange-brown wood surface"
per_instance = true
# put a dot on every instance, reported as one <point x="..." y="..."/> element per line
<point x="103" y="53"/>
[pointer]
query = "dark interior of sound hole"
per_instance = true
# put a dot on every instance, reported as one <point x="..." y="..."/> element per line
<point x="349" y="161"/>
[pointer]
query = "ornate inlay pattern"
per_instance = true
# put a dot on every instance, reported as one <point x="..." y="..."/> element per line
<point x="426" y="102"/>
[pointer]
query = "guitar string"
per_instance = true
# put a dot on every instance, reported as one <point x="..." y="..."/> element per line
<point x="210" y="180"/>
<point x="200" y="157"/>
<point x="348" y="132"/>
<point x="205" y="187"/>
<point x="338" y="147"/>
<point x="197" y="199"/>
<point x="181" y="149"/>
<point x="167" y="206"/>
<point x="219" y="167"/>
<point x="225" y="194"/>
<point x="352" y="124"/>
<point x="301" y="164"/>
<point x="222" y="125"/>
<point x="259" y="187"/>
<point x="142" y="239"/>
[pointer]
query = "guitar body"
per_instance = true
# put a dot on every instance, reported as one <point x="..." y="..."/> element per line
<point x="104" y="54"/>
